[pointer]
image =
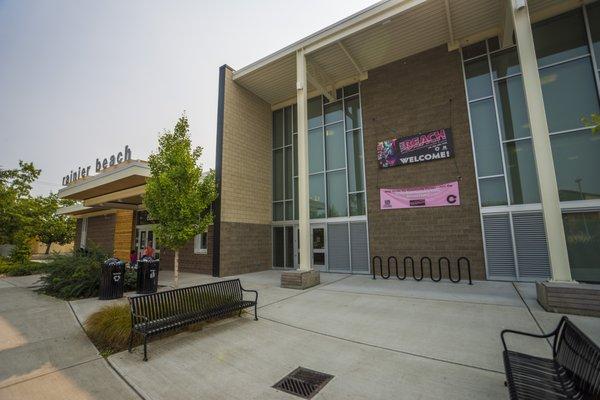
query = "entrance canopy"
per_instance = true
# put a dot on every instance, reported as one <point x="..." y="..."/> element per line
<point x="390" y="30"/>
<point x="117" y="187"/>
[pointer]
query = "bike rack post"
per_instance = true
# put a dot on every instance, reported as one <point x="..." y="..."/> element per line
<point x="412" y="265"/>
<point x="468" y="267"/>
<point x="375" y="258"/>
<point x="421" y="265"/>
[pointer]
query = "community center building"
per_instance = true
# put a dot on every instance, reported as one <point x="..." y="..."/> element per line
<point x="421" y="128"/>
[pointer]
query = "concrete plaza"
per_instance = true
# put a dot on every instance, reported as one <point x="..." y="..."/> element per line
<point x="380" y="339"/>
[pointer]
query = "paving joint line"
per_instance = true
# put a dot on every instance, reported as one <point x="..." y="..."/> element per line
<point x="51" y="372"/>
<point x="304" y="291"/>
<point x="531" y="313"/>
<point x="112" y="367"/>
<point x="421" y="298"/>
<point x="385" y="348"/>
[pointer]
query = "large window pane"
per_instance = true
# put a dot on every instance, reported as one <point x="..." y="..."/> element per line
<point x="287" y="127"/>
<point x="520" y="170"/>
<point x="278" y="174"/>
<point x="315" y="112"/>
<point x="317" y="196"/>
<point x="289" y="247"/>
<point x="296" y="215"/>
<point x="315" y="150"/>
<point x="560" y="38"/>
<point x="336" y="194"/>
<point x="505" y="63"/>
<point x="357" y="204"/>
<point x="593" y="12"/>
<point x="295" y="116"/>
<point x="474" y="50"/>
<point x="278" y="247"/>
<point x="493" y="192"/>
<point x="512" y="109"/>
<point x="485" y="134"/>
<point x="334" y="146"/>
<point x="277" y="129"/>
<point x="350" y="90"/>
<point x="577" y="164"/>
<point x="478" y="78"/>
<point x="289" y="210"/>
<point x="333" y="112"/>
<point x="582" y="231"/>
<point x="277" y="211"/>
<point x="569" y="94"/>
<point x="355" y="161"/>
<point x="288" y="172"/>
<point x="352" y="111"/>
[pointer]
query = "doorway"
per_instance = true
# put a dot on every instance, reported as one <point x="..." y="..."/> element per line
<point x="318" y="247"/>
<point x="143" y="235"/>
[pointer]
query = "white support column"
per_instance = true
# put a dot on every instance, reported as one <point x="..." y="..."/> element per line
<point x="557" y="246"/>
<point x="303" y="200"/>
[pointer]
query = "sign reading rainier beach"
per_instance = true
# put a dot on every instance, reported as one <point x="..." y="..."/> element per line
<point x="445" y="194"/>
<point x="429" y="146"/>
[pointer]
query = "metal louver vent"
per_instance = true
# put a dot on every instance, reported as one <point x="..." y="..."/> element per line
<point x="303" y="382"/>
<point x="360" y="247"/>
<point x="498" y="246"/>
<point x="339" y="253"/>
<point x="531" y="245"/>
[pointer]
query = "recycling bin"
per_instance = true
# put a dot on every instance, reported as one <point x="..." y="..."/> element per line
<point x="147" y="275"/>
<point x="112" y="278"/>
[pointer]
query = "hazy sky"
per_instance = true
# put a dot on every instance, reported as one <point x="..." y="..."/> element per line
<point x="81" y="79"/>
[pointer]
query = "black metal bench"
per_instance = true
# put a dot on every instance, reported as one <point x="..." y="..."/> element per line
<point x="156" y="313"/>
<point x="572" y="373"/>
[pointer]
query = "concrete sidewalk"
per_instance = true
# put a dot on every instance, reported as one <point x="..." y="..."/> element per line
<point x="44" y="353"/>
<point x="380" y="339"/>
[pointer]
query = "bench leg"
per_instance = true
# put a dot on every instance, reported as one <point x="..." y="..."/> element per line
<point x="240" y="313"/>
<point x="145" y="349"/>
<point x="130" y="341"/>
<point x="255" y="313"/>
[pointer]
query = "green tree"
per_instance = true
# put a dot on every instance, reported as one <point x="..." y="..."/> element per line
<point x="593" y="121"/>
<point x="19" y="211"/>
<point x="177" y="195"/>
<point x="54" y="228"/>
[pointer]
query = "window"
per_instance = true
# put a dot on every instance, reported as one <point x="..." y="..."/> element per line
<point x="201" y="243"/>
<point x="582" y="231"/>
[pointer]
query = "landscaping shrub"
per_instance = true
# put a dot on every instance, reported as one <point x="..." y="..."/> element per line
<point x="77" y="275"/>
<point x="109" y="327"/>
<point x="10" y="268"/>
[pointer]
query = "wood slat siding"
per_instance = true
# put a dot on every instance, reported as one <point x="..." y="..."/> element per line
<point x="123" y="239"/>
<point x="580" y="299"/>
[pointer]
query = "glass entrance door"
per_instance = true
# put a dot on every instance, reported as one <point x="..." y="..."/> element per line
<point x="144" y="234"/>
<point x="319" y="252"/>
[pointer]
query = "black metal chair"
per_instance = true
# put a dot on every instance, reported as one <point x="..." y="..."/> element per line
<point x="156" y="313"/>
<point x="572" y="373"/>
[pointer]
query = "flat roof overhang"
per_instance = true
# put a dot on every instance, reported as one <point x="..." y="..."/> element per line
<point x="119" y="187"/>
<point x="389" y="30"/>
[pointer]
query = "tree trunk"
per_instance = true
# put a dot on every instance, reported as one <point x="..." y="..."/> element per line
<point x="48" y="248"/>
<point x="176" y="270"/>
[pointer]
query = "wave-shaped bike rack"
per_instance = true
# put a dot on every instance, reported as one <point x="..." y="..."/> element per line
<point x="424" y="262"/>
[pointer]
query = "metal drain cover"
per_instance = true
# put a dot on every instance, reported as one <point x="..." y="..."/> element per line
<point x="303" y="382"/>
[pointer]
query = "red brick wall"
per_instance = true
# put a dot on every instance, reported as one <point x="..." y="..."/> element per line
<point x="188" y="260"/>
<point x="418" y="94"/>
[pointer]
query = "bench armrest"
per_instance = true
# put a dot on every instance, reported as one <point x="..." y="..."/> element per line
<point x="505" y="331"/>
<point x="253" y="291"/>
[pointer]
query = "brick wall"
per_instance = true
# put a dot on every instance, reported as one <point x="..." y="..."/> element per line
<point x="101" y="232"/>
<point x="245" y="181"/>
<point x="188" y="260"/>
<point x="418" y="94"/>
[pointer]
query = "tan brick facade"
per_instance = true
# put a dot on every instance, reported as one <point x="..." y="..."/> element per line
<point x="246" y="190"/>
<point x="418" y="94"/>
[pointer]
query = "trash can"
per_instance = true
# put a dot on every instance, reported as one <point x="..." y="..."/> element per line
<point x="147" y="275"/>
<point x="112" y="278"/>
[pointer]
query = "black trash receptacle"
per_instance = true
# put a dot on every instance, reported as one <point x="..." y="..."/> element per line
<point x="147" y="275"/>
<point x="112" y="278"/>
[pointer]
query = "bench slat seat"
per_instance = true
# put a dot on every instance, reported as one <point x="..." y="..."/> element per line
<point x="573" y="372"/>
<point x="156" y="313"/>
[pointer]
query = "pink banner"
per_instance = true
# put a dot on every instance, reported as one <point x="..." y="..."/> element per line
<point x="442" y="195"/>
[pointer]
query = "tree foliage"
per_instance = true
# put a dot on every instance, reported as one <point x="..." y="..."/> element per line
<point x="51" y="227"/>
<point x="177" y="195"/>
<point x="594" y="122"/>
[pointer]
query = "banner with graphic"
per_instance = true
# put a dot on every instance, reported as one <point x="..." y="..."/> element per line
<point x="445" y="194"/>
<point x="429" y="146"/>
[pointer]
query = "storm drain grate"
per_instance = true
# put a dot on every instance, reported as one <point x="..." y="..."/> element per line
<point x="303" y="382"/>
